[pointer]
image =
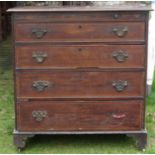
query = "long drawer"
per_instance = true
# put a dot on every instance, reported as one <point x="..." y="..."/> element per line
<point x="79" y="84"/>
<point x="80" y="116"/>
<point x="80" y="32"/>
<point x="80" y="16"/>
<point x="80" y="56"/>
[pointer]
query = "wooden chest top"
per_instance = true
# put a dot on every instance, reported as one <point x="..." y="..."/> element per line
<point x="81" y="8"/>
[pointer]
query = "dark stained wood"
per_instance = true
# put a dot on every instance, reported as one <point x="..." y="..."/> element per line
<point x="80" y="32"/>
<point x="146" y="66"/>
<point x="80" y="16"/>
<point x="81" y="116"/>
<point x="63" y="84"/>
<point x="73" y="90"/>
<point x="65" y="56"/>
<point x="20" y="140"/>
<point x="141" y="139"/>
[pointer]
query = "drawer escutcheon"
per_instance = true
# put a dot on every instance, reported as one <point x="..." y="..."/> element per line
<point x="120" y="56"/>
<point x="39" y="115"/>
<point x="40" y="85"/>
<point x="119" y="85"/>
<point x="39" y="57"/>
<point x="120" y="32"/>
<point x="38" y="32"/>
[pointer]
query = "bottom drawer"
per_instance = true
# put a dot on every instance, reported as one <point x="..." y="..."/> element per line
<point x="80" y="115"/>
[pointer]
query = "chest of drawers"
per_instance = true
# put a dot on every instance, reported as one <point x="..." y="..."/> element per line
<point x="80" y="71"/>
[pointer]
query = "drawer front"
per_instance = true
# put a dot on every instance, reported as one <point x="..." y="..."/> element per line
<point x="104" y="56"/>
<point x="80" y="16"/>
<point x="80" y="32"/>
<point x="80" y="116"/>
<point x="80" y="84"/>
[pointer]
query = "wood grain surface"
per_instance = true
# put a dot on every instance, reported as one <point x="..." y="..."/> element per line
<point x="68" y="84"/>
<point x="79" y="56"/>
<point x="80" y="32"/>
<point x="81" y="116"/>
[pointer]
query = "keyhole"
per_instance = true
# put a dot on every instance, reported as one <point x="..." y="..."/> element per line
<point x="79" y="49"/>
<point x="80" y="27"/>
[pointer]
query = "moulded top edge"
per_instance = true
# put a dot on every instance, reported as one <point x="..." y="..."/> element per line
<point x="79" y="9"/>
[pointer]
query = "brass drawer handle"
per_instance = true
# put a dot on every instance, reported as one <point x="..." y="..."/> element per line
<point x="120" y="56"/>
<point x="40" y="85"/>
<point x="118" y="116"/>
<point x="38" y="32"/>
<point x="39" y="115"/>
<point x="39" y="57"/>
<point x="119" y="85"/>
<point x="120" y="32"/>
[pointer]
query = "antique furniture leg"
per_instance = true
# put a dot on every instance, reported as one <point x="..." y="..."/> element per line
<point x="20" y="140"/>
<point x="141" y="139"/>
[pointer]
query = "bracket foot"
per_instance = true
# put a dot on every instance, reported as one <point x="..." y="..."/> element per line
<point x="141" y="140"/>
<point x="20" y="140"/>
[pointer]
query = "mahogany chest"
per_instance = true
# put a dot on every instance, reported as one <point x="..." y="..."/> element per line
<point x="80" y="71"/>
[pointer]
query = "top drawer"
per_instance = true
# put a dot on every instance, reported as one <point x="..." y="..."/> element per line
<point x="80" y="16"/>
<point x="80" y="32"/>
